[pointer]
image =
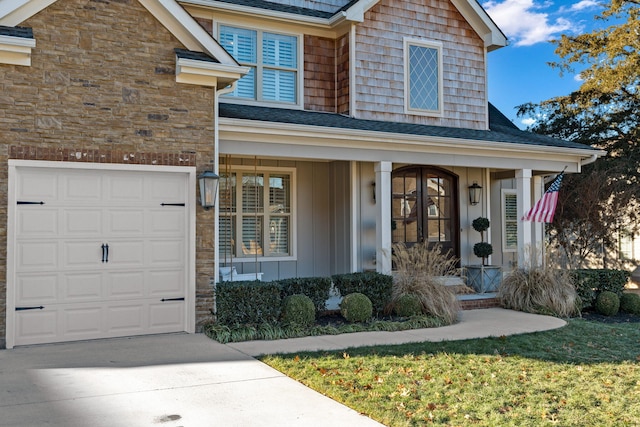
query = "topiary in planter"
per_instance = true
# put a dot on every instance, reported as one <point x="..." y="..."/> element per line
<point x="356" y="307"/>
<point x="630" y="303"/>
<point x="482" y="249"/>
<point x="407" y="305"/>
<point x="607" y="303"/>
<point x="480" y="224"/>
<point x="298" y="310"/>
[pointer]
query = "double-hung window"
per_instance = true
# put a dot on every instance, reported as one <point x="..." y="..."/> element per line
<point x="509" y="220"/>
<point x="256" y="214"/>
<point x="423" y="77"/>
<point x="273" y="62"/>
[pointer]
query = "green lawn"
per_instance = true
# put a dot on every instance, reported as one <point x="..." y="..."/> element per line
<point x="585" y="374"/>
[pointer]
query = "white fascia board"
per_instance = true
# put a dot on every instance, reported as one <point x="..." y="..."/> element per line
<point x="16" y="50"/>
<point x="182" y="25"/>
<point x="207" y="73"/>
<point x="354" y="14"/>
<point x="14" y="12"/>
<point x="253" y="11"/>
<point x="482" y="23"/>
<point x="359" y="139"/>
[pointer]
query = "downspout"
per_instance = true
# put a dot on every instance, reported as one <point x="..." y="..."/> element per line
<point x="216" y="168"/>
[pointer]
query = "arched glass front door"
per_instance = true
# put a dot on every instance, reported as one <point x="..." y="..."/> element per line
<point x="425" y="207"/>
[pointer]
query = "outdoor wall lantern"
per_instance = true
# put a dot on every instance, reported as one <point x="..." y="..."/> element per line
<point x="208" y="181"/>
<point x="475" y="191"/>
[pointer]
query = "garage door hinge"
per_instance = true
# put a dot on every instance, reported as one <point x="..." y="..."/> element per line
<point x="172" y="299"/>
<point x="20" y="202"/>
<point x="172" y="204"/>
<point x="29" y="308"/>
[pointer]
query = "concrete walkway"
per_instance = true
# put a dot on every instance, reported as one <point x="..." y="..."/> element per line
<point x="473" y="324"/>
<point x="190" y="380"/>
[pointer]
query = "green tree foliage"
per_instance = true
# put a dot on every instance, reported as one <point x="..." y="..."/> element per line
<point x="604" y="113"/>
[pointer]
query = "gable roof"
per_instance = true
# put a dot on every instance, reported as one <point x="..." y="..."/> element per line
<point x="168" y="12"/>
<point x="353" y="11"/>
<point x="501" y="130"/>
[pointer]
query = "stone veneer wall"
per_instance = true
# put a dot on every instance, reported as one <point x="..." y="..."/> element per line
<point x="101" y="88"/>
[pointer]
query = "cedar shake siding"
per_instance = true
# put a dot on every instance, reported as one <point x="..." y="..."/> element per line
<point x="319" y="74"/>
<point x="102" y="88"/>
<point x="380" y="63"/>
<point x="342" y="74"/>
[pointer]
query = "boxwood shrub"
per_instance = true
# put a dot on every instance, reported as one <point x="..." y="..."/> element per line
<point x="591" y="282"/>
<point x="374" y="285"/>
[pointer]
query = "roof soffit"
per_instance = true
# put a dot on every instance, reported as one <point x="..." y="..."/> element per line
<point x="359" y="140"/>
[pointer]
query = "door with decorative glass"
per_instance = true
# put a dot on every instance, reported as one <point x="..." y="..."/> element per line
<point x="425" y="207"/>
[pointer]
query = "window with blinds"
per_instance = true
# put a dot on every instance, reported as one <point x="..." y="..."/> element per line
<point x="261" y="223"/>
<point x="509" y="220"/>
<point x="273" y="59"/>
<point x="423" y="79"/>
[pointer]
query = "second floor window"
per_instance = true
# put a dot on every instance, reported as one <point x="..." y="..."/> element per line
<point x="423" y="77"/>
<point x="273" y="59"/>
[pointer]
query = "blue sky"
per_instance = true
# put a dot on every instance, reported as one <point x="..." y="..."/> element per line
<point x="520" y="73"/>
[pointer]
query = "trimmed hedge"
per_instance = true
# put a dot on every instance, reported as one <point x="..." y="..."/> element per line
<point x="590" y="283"/>
<point x="374" y="285"/>
<point x="241" y="303"/>
<point x="316" y="288"/>
<point x="254" y="302"/>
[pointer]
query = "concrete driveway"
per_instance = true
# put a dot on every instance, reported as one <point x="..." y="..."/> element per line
<point x="164" y="380"/>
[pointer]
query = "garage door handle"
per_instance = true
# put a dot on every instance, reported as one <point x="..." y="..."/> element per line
<point x="29" y="308"/>
<point x="172" y="299"/>
<point x="105" y="253"/>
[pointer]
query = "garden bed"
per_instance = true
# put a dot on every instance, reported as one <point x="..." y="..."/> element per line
<point x="618" y="318"/>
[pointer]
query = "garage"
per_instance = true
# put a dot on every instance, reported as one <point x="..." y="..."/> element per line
<point x="98" y="251"/>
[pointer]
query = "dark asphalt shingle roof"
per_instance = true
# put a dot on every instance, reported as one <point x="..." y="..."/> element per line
<point x="500" y="128"/>
<point x="198" y="56"/>
<point x="23" y="32"/>
<point x="267" y="5"/>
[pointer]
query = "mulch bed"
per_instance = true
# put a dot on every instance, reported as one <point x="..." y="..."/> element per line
<point x="618" y="318"/>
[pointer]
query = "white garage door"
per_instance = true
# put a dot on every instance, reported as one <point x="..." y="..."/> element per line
<point x="99" y="253"/>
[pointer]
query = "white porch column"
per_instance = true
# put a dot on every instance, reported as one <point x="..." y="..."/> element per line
<point x="523" y="188"/>
<point x="383" y="217"/>
<point x="538" y="227"/>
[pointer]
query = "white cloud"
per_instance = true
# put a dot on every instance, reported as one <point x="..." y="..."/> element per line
<point x="528" y="121"/>
<point x="578" y="78"/>
<point x="524" y="22"/>
<point x="584" y="5"/>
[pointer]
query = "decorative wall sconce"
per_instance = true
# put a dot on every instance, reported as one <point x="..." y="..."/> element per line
<point x="373" y="191"/>
<point x="208" y="182"/>
<point x="475" y="192"/>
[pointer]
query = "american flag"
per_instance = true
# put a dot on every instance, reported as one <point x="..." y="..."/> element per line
<point x="545" y="208"/>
